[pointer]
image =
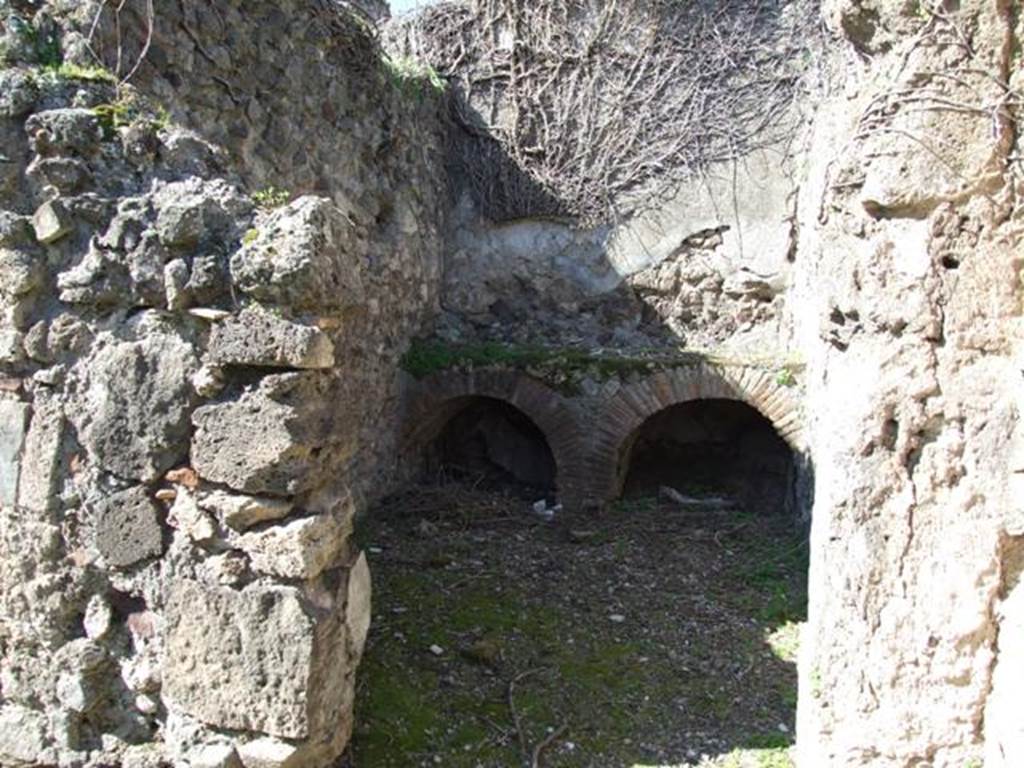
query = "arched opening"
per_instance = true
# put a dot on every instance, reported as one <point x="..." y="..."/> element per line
<point x="494" y="445"/>
<point x="715" y="450"/>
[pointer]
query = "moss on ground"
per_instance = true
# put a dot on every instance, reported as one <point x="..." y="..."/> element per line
<point x="538" y="605"/>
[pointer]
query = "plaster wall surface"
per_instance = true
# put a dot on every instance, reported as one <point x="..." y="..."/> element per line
<point x="907" y="306"/>
<point x="708" y="267"/>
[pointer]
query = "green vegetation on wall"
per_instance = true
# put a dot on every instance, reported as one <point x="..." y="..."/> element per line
<point x="413" y="78"/>
<point x="563" y="368"/>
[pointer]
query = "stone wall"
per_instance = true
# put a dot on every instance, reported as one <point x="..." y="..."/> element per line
<point x="302" y="102"/>
<point x="204" y="305"/>
<point x="908" y="310"/>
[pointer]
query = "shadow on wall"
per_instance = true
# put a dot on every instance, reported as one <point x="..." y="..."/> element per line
<point x="502" y="189"/>
<point x="519" y="268"/>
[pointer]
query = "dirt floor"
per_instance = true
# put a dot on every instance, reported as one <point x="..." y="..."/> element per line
<point x="659" y="634"/>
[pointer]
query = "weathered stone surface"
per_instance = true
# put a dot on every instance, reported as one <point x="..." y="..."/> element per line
<point x="22" y="735"/>
<point x="133" y="413"/>
<point x="37" y="490"/>
<point x="299" y="549"/>
<point x="151" y="755"/>
<point x="98" y="617"/>
<point x="186" y="516"/>
<point x="77" y="692"/>
<point x="941" y="155"/>
<point x="196" y="210"/>
<point x="214" y="756"/>
<point x="97" y="325"/>
<point x="185" y="476"/>
<point x="82" y="655"/>
<point x="58" y="338"/>
<point x="229" y="569"/>
<point x="271" y="753"/>
<point x="13" y="418"/>
<point x="176" y="277"/>
<point x="1004" y="726"/>
<point x="51" y="222"/>
<point x="127" y="527"/>
<point x="11" y="349"/>
<point x="65" y="131"/>
<point x="305" y="256"/>
<point x="240" y="512"/>
<point x="911" y="402"/>
<point x="141" y="673"/>
<point x="187" y="153"/>
<point x="18" y="91"/>
<point x="208" y="278"/>
<point x="20" y="272"/>
<point x="258" y="337"/>
<point x="123" y="266"/>
<point x="357" y="605"/>
<point x="248" y="659"/>
<point x="132" y="264"/>
<point x="208" y="381"/>
<point x="272" y="438"/>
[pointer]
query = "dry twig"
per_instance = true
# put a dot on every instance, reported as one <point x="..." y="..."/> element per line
<point x="516" y="721"/>
<point x="588" y="110"/>
<point x="550" y="739"/>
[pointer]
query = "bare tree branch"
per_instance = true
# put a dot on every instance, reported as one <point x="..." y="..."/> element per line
<point x="583" y="109"/>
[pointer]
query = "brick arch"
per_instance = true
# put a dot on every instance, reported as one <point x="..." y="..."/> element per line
<point x="433" y="401"/>
<point x="623" y="414"/>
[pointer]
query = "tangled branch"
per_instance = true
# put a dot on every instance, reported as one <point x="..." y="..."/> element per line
<point x="115" y="9"/>
<point x="589" y="110"/>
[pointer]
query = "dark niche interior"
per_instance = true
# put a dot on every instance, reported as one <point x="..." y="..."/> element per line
<point x="495" y="445"/>
<point x="711" y="448"/>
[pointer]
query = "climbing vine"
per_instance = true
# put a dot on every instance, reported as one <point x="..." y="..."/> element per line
<point x="589" y="109"/>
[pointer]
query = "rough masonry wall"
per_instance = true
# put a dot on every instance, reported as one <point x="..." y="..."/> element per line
<point x="908" y="307"/>
<point x="300" y="100"/>
<point x="197" y="379"/>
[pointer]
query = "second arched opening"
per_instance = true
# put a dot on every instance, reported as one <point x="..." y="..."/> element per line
<point x="715" y="448"/>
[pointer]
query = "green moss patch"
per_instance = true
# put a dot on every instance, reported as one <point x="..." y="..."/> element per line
<point x="566" y="368"/>
<point x="646" y="640"/>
